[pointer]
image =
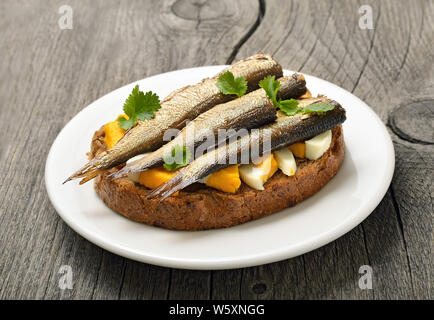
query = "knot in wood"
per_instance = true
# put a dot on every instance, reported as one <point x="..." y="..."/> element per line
<point x="259" y="288"/>
<point x="414" y="121"/>
<point x="199" y="10"/>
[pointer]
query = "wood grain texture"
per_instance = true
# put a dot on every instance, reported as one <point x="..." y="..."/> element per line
<point x="49" y="74"/>
<point x="387" y="67"/>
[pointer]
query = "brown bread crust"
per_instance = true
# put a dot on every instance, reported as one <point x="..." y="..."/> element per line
<point x="199" y="207"/>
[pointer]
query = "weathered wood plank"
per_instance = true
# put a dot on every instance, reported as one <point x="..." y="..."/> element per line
<point x="140" y="281"/>
<point x="226" y="285"/>
<point x="413" y="193"/>
<point x="327" y="273"/>
<point x="385" y="67"/>
<point x="51" y="75"/>
<point x="188" y="284"/>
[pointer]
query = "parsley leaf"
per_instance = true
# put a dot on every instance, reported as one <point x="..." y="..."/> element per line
<point x="126" y="123"/>
<point x="317" y="107"/>
<point x="271" y="86"/>
<point x="178" y="157"/>
<point x="290" y="107"/>
<point x="139" y="106"/>
<point x="228" y="84"/>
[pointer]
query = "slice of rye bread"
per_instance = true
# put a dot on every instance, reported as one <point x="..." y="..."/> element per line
<point x="199" y="207"/>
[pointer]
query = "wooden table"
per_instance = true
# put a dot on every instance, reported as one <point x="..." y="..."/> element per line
<point x="48" y="74"/>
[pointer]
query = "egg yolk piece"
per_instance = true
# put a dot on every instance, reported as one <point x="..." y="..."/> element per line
<point x="268" y="166"/>
<point x="255" y="175"/>
<point x="113" y="132"/>
<point x="155" y="177"/>
<point x="227" y="179"/>
<point x="298" y="149"/>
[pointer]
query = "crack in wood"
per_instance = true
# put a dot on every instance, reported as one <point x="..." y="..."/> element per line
<point x="365" y="63"/>
<point x="309" y="55"/>
<point x="401" y="229"/>
<point x="249" y="33"/>
<point x="124" y="267"/>
<point x="97" y="274"/>
<point x="404" y="60"/>
<point x="211" y="278"/>
<point x="366" y="243"/>
<point x="413" y="121"/>
<point x="51" y="247"/>
<point x="170" y="285"/>
<point x="156" y="40"/>
<point x="288" y="32"/>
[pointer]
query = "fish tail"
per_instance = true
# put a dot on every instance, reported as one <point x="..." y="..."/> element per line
<point x="130" y="169"/>
<point x="87" y="172"/>
<point x="90" y="175"/>
<point x="125" y="171"/>
<point x="168" y="188"/>
<point x="150" y="161"/>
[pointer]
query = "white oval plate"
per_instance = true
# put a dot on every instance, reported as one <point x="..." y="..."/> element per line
<point x="340" y="206"/>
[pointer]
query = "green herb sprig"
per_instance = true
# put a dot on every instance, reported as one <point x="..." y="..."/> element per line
<point x="139" y="106"/>
<point x="178" y="157"/>
<point x="290" y="107"/>
<point x="228" y="84"/>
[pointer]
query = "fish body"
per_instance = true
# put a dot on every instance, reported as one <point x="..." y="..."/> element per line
<point x="250" y="111"/>
<point x="285" y="131"/>
<point x="176" y="110"/>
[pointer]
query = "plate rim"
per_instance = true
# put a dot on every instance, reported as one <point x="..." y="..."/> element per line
<point x="250" y="260"/>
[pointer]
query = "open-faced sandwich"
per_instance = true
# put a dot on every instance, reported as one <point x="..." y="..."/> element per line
<point x="232" y="148"/>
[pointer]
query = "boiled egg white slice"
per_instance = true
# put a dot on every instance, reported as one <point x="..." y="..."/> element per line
<point x="252" y="176"/>
<point x="135" y="177"/>
<point x="256" y="175"/>
<point x="286" y="161"/>
<point x="318" y="145"/>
